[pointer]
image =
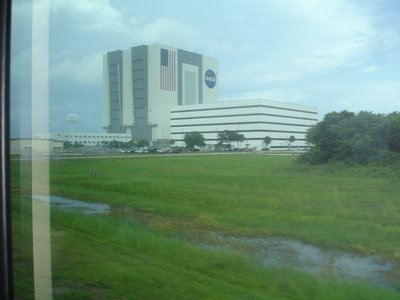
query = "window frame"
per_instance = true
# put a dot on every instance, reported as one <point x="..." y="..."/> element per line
<point x="6" y="275"/>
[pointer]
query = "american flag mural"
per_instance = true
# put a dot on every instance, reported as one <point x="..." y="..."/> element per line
<point x="167" y="70"/>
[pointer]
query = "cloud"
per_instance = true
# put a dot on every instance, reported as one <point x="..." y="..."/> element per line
<point x="339" y="17"/>
<point x="169" y="31"/>
<point x="96" y="15"/>
<point x="121" y="28"/>
<point x="338" y="53"/>
<point x="380" y="96"/>
<point x="335" y="34"/>
<point x="371" y="69"/>
<point x="83" y="70"/>
<point x="254" y="74"/>
<point x="280" y="94"/>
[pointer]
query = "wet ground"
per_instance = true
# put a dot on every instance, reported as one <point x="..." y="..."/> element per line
<point x="89" y="208"/>
<point x="295" y="254"/>
<point x="275" y="251"/>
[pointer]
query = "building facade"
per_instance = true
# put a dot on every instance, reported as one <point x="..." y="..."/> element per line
<point x="142" y="83"/>
<point x="86" y="138"/>
<point x="36" y="147"/>
<point x="255" y="119"/>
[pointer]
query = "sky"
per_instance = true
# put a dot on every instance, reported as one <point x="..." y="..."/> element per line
<point x="332" y="54"/>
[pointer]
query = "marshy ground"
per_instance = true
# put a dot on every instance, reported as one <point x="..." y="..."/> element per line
<point x="234" y="226"/>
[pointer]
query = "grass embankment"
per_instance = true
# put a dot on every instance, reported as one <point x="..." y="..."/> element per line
<point x="183" y="197"/>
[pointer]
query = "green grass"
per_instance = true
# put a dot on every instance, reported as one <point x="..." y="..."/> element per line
<point x="180" y="198"/>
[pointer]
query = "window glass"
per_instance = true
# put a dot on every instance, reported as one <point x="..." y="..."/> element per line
<point x="252" y="149"/>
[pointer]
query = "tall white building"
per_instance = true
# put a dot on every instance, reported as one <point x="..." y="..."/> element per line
<point x="142" y="83"/>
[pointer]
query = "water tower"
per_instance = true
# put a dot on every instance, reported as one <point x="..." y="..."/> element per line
<point x="72" y="119"/>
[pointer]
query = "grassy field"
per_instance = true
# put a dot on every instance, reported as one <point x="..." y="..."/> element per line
<point x="148" y="250"/>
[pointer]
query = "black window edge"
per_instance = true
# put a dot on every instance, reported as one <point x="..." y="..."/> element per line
<point x="6" y="282"/>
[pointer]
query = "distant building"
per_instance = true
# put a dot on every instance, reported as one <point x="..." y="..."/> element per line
<point x="86" y="138"/>
<point x="159" y="93"/>
<point x="142" y="83"/>
<point x="255" y="119"/>
<point x="38" y="148"/>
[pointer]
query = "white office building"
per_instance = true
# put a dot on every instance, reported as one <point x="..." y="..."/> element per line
<point x="255" y="119"/>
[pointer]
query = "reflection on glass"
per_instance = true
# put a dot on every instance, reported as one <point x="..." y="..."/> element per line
<point x="187" y="150"/>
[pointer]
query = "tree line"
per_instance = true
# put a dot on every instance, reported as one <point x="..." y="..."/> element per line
<point x="359" y="138"/>
<point x="226" y="140"/>
<point x="193" y="140"/>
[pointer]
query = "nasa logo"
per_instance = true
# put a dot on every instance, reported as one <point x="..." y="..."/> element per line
<point x="210" y="78"/>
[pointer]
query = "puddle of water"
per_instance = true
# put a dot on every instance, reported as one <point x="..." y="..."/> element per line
<point x="277" y="251"/>
<point x="272" y="251"/>
<point x="89" y="208"/>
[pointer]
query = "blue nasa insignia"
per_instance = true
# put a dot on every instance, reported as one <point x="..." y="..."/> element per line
<point x="210" y="78"/>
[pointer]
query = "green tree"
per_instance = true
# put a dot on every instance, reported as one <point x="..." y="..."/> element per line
<point x="142" y="143"/>
<point x="226" y="137"/>
<point x="238" y="138"/>
<point x="292" y="139"/>
<point x="193" y="139"/>
<point x="352" y="138"/>
<point x="77" y="145"/>
<point x="68" y="145"/>
<point x="114" y="144"/>
<point x="325" y="139"/>
<point x="393" y="127"/>
<point x="365" y="137"/>
<point x="267" y="141"/>
<point x="131" y="144"/>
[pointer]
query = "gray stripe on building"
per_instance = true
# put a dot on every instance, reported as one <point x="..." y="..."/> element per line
<point x="194" y="59"/>
<point x="141" y="128"/>
<point x="114" y="62"/>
